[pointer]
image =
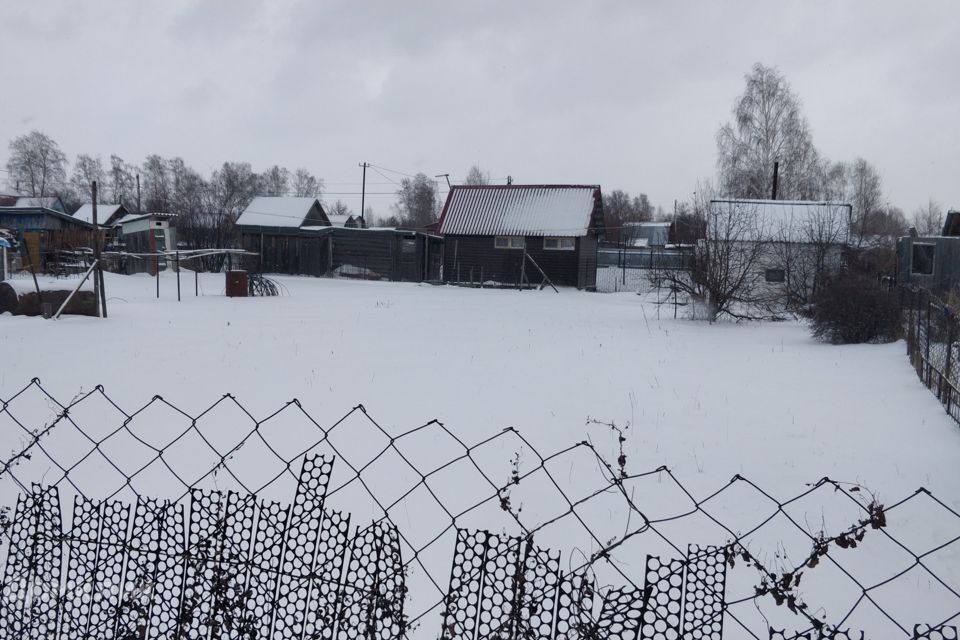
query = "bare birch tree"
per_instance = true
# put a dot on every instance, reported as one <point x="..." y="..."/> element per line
<point x="37" y="166"/>
<point x="928" y="219"/>
<point x="476" y="176"/>
<point x="768" y="126"/>
<point x="86" y="169"/>
<point x="724" y="274"/>
<point x="306" y="185"/>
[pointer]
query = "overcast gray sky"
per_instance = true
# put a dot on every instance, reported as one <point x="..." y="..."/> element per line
<point x="625" y="94"/>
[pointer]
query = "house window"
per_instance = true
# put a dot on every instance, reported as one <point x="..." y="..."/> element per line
<point x="560" y="244"/>
<point x="508" y="242"/>
<point x="921" y="262"/>
<point x="775" y="275"/>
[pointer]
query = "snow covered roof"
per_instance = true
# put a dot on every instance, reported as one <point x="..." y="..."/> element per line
<point x="266" y="211"/>
<point x="796" y="220"/>
<point x="339" y="220"/>
<point x="536" y="210"/>
<point x="104" y="213"/>
<point x="47" y="202"/>
<point x="644" y="234"/>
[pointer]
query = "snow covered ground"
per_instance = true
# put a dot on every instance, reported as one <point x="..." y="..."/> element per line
<point x="761" y="400"/>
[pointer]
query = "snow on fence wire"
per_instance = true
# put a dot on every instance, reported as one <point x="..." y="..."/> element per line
<point x="180" y="527"/>
<point x="932" y="332"/>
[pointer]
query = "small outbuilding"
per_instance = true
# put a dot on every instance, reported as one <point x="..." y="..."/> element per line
<point x="508" y="234"/>
<point x="146" y="233"/>
<point x="932" y="262"/>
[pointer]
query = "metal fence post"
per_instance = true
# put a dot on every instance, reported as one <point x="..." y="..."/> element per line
<point x="946" y="369"/>
<point x="926" y="347"/>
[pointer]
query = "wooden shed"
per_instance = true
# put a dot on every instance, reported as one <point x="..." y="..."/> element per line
<point x="45" y="233"/>
<point x="507" y="234"/>
<point x="295" y="236"/>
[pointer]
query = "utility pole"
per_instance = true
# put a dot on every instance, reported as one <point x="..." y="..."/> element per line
<point x="363" y="195"/>
<point x="139" y="210"/>
<point x="444" y="175"/>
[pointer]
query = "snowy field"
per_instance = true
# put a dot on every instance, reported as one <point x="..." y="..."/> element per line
<point x="761" y="400"/>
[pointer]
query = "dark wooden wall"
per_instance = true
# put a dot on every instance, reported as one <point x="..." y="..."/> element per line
<point x="359" y="253"/>
<point x="575" y="268"/>
<point x="289" y="254"/>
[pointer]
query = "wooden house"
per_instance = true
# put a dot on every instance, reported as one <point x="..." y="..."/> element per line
<point x="508" y="234"/>
<point x="45" y="231"/>
<point x="284" y="232"/>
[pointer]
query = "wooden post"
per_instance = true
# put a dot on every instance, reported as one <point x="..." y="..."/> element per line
<point x="523" y="266"/>
<point x="99" y="291"/>
<point x="481" y="276"/>
<point x="177" y="267"/>
<point x="33" y="270"/>
<point x="96" y="246"/>
<point x="456" y="250"/>
<point x="471" y="277"/>
<point x="196" y="284"/>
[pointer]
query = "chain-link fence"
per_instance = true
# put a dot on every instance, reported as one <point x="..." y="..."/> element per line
<point x="931" y="330"/>
<point x="156" y="521"/>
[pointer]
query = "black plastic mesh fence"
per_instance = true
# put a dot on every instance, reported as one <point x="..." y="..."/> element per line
<point x="155" y="522"/>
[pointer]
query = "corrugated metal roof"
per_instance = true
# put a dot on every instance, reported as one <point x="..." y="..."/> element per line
<point x="795" y="220"/>
<point x="519" y="210"/>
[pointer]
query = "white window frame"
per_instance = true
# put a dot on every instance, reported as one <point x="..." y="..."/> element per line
<point x="559" y="243"/>
<point x="509" y="242"/>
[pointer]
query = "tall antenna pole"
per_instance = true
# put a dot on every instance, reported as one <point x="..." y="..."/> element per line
<point x="139" y="210"/>
<point x="363" y="195"/>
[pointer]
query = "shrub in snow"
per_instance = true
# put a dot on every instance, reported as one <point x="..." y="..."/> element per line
<point x="853" y="308"/>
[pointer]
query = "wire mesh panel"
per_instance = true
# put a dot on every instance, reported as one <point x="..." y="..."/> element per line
<point x="927" y="632"/>
<point x="324" y="590"/>
<point x="664" y="599"/>
<point x="140" y="575"/>
<point x="108" y="578"/>
<point x="538" y="589"/>
<point x="206" y="532"/>
<point x="271" y="520"/>
<point x="574" y="607"/>
<point x="171" y="571"/>
<point x="703" y="593"/>
<point x="300" y="547"/>
<point x="31" y="582"/>
<point x="374" y="589"/>
<point x="232" y="580"/>
<point x="620" y="615"/>
<point x="81" y="569"/>
<point x="466" y="580"/>
<point x="499" y="590"/>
